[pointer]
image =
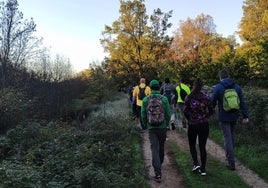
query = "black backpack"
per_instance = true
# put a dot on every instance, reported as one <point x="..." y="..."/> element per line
<point x="183" y="93"/>
<point x="141" y="94"/>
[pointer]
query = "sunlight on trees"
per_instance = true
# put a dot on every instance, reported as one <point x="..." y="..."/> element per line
<point x="135" y="47"/>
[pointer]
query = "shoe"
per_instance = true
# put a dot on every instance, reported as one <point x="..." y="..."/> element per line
<point x="157" y="179"/>
<point x="195" y="168"/>
<point x="202" y="172"/>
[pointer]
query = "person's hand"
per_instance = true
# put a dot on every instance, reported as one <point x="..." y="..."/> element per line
<point x="245" y="120"/>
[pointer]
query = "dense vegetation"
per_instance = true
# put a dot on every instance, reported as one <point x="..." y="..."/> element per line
<point x="50" y="139"/>
<point x="103" y="152"/>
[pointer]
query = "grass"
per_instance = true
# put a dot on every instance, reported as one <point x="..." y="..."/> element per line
<point x="251" y="151"/>
<point x="217" y="174"/>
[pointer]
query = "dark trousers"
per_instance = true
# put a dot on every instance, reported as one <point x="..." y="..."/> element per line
<point x="202" y="131"/>
<point x="228" y="134"/>
<point x="139" y="116"/>
<point x="181" y="114"/>
<point x="134" y="109"/>
<point x="157" y="139"/>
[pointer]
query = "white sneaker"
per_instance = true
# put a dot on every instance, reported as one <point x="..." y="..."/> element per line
<point x="195" y="168"/>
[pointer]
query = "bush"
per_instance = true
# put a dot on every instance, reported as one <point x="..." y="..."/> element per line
<point x="256" y="101"/>
<point x="13" y="108"/>
<point x="104" y="154"/>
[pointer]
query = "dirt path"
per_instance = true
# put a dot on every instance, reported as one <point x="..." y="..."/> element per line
<point x="172" y="178"/>
<point x="170" y="173"/>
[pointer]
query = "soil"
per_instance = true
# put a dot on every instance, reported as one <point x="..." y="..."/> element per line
<point x="172" y="177"/>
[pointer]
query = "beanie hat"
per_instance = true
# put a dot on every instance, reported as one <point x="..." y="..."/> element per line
<point x="224" y="74"/>
<point x="154" y="83"/>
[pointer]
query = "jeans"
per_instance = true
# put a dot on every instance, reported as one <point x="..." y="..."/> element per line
<point x="202" y="131"/>
<point x="157" y="139"/>
<point x="228" y="134"/>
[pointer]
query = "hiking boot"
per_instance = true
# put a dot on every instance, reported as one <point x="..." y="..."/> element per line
<point x="195" y="168"/>
<point x="157" y="179"/>
<point x="202" y="172"/>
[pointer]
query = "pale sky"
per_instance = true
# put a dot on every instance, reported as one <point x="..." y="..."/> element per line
<point x="72" y="28"/>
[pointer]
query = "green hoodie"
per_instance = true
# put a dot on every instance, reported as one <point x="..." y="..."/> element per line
<point x="144" y="112"/>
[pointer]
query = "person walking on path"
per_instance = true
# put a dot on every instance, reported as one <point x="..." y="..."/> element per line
<point x="139" y="92"/>
<point x="157" y="133"/>
<point x="182" y="90"/>
<point x="197" y="109"/>
<point x="228" y="119"/>
<point x="170" y="92"/>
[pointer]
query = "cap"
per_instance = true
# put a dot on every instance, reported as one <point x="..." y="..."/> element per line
<point x="154" y="83"/>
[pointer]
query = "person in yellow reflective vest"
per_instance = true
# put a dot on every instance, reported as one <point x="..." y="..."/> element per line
<point x="138" y="98"/>
<point x="182" y="90"/>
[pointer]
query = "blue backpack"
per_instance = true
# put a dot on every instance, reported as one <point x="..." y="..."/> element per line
<point x="168" y="91"/>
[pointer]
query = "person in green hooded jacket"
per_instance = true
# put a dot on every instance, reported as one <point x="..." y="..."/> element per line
<point x="157" y="134"/>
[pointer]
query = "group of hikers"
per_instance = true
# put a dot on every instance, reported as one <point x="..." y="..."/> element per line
<point x="154" y="104"/>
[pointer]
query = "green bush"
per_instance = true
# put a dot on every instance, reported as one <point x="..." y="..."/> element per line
<point x="105" y="153"/>
<point x="256" y="101"/>
<point x="13" y="108"/>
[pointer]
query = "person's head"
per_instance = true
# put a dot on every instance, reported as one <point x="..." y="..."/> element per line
<point x="224" y="74"/>
<point x="154" y="85"/>
<point x="182" y="80"/>
<point x="167" y="80"/>
<point x="142" y="80"/>
<point x="198" y="84"/>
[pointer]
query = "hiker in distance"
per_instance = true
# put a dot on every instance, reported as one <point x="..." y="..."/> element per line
<point x="155" y="114"/>
<point x="170" y="92"/>
<point x="139" y="92"/>
<point x="182" y="90"/>
<point x="132" y="102"/>
<point x="197" y="109"/>
<point x="228" y="117"/>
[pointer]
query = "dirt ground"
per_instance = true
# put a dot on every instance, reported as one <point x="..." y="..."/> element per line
<point x="171" y="176"/>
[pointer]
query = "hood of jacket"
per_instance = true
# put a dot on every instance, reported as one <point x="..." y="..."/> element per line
<point x="227" y="82"/>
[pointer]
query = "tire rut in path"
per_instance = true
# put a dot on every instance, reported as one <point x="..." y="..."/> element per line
<point x="171" y="177"/>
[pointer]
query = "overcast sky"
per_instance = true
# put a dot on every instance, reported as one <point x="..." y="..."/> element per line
<point x="73" y="27"/>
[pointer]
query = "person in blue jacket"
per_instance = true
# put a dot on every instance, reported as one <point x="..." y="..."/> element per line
<point x="228" y="120"/>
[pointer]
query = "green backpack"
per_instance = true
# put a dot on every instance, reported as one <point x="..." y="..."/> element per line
<point x="230" y="100"/>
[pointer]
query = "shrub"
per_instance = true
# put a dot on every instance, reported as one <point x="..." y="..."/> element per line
<point x="256" y="101"/>
<point x="13" y="108"/>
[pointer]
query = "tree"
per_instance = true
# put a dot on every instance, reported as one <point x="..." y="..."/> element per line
<point x="254" y="23"/>
<point x="197" y="47"/>
<point x="135" y="48"/>
<point x="17" y="42"/>
<point x="254" y="33"/>
<point x="192" y="36"/>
